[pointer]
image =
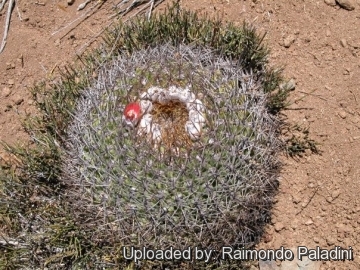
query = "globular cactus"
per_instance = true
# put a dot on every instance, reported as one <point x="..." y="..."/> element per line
<point x="209" y="191"/>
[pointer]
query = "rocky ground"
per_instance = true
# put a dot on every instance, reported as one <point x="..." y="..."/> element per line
<point x="317" y="43"/>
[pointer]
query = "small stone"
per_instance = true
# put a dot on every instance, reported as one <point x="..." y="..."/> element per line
<point x="10" y="65"/>
<point x="267" y="265"/>
<point x="296" y="199"/>
<point x="307" y="264"/>
<point x="17" y="100"/>
<point x="342" y="114"/>
<point x="328" y="33"/>
<point x="343" y="42"/>
<point x="6" y="92"/>
<point x="289" y="85"/>
<point x="355" y="119"/>
<point x="11" y="82"/>
<point x="344" y="229"/>
<point x="70" y="2"/>
<point x="8" y="107"/>
<point x="286" y="265"/>
<point x="278" y="226"/>
<point x="309" y="222"/>
<point x="316" y="240"/>
<point x="346" y="4"/>
<point x="290" y="39"/>
<point x="335" y="194"/>
<point x="268" y="237"/>
<point x="57" y="42"/>
<point x="330" y="241"/>
<point x="330" y="2"/>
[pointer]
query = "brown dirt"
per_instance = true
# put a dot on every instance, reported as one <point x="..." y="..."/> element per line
<point x="318" y="202"/>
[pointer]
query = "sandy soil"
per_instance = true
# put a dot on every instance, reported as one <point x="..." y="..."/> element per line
<point x="317" y="44"/>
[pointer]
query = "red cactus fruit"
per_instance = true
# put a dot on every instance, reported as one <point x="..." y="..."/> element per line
<point x="132" y="114"/>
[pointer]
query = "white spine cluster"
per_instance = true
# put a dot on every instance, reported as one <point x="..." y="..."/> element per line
<point x="163" y="96"/>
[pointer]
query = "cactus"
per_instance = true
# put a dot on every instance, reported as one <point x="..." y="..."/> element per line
<point x="166" y="136"/>
<point x="212" y="192"/>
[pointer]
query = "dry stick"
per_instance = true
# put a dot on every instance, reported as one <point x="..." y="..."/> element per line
<point x="87" y="44"/>
<point x="7" y="23"/>
<point x="300" y="99"/>
<point x="133" y="5"/>
<point x="83" y="5"/>
<point x="19" y="14"/>
<point x="151" y="8"/>
<point x="311" y="94"/>
<point x="82" y="49"/>
<point x="90" y="12"/>
<point x="354" y="96"/>
<point x="312" y="196"/>
<point x="2" y="4"/>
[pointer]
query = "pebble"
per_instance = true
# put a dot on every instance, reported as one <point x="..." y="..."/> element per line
<point x="346" y="4"/>
<point x="290" y="39"/>
<point x="17" y="100"/>
<point x="8" y="107"/>
<point x="10" y="66"/>
<point x="57" y="42"/>
<point x="278" y="226"/>
<point x="309" y="222"/>
<point x="6" y="92"/>
<point x="330" y="2"/>
<point x="342" y="114"/>
<point x="304" y="264"/>
<point x="267" y="265"/>
<point x="290" y="85"/>
<point x="335" y="194"/>
<point x="342" y="228"/>
<point x="70" y="2"/>
<point x="296" y="199"/>
<point x="11" y="82"/>
<point x="330" y="241"/>
<point x="343" y="42"/>
<point x="268" y="237"/>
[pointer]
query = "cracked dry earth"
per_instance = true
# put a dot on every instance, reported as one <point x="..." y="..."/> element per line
<point x="317" y="43"/>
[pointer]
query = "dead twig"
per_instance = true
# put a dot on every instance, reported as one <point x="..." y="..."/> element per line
<point x="134" y="5"/>
<point x="82" y="18"/>
<point x="312" y="196"/>
<point x="19" y="14"/>
<point x="311" y="94"/>
<point x="151" y="8"/>
<point x="2" y="4"/>
<point x="7" y="23"/>
<point x="153" y="5"/>
<point x="83" y="5"/>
